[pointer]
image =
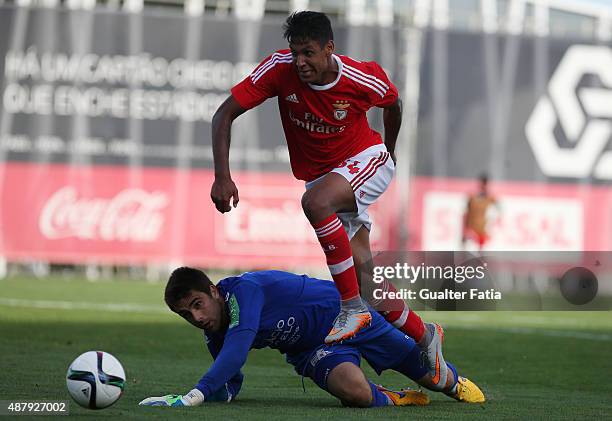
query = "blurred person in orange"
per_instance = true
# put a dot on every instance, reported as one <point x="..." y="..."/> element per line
<point x="475" y="218"/>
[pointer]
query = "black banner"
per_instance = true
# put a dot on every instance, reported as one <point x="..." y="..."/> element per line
<point x="98" y="87"/>
<point x="516" y="107"/>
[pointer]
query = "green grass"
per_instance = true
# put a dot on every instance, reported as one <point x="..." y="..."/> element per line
<point x="537" y="365"/>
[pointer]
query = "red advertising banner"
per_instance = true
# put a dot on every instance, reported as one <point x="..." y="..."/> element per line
<point x="122" y="215"/>
<point x="118" y="215"/>
<point x="529" y="216"/>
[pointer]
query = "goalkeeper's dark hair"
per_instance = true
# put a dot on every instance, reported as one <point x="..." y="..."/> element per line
<point x="301" y="27"/>
<point x="183" y="280"/>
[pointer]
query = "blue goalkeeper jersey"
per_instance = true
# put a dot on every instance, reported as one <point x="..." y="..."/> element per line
<point x="280" y="310"/>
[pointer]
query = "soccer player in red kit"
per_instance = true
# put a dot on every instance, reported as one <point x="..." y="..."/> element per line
<point x="323" y="99"/>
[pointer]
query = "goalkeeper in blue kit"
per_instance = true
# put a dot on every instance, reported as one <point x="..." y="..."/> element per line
<point x="293" y="313"/>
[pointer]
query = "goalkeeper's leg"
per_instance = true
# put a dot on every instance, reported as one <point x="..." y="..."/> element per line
<point x="336" y="370"/>
<point x="348" y="383"/>
<point x="455" y="386"/>
<point x="382" y="353"/>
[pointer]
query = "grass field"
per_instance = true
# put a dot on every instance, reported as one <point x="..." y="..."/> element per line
<point x="537" y="365"/>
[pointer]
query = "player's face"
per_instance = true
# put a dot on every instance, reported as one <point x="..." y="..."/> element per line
<point x="202" y="310"/>
<point x="313" y="62"/>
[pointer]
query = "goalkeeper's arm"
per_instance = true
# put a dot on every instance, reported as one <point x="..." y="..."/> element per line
<point x="231" y="389"/>
<point x="230" y="360"/>
<point x="220" y="381"/>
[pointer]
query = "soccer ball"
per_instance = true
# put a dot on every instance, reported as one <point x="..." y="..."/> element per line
<point x="95" y="380"/>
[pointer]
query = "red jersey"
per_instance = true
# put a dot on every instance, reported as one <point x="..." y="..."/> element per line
<point x="324" y="124"/>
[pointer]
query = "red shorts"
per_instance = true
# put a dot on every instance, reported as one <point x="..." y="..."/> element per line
<point x="470" y="234"/>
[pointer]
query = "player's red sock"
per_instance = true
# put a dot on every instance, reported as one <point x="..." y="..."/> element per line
<point x="402" y="317"/>
<point x="335" y="244"/>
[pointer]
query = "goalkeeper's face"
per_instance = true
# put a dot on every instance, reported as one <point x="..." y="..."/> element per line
<point x="202" y="310"/>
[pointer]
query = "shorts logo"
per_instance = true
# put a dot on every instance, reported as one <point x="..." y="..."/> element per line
<point x="318" y="356"/>
<point x="361" y="194"/>
<point x="340" y="109"/>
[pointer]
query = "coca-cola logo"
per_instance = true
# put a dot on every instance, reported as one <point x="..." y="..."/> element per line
<point x="131" y="215"/>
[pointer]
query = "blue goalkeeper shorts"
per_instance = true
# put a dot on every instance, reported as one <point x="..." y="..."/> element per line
<point x="381" y="345"/>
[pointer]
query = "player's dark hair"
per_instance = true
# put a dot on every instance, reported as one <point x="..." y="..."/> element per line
<point x="183" y="280"/>
<point x="305" y="26"/>
<point x="484" y="178"/>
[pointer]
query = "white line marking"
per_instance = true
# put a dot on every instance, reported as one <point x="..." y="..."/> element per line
<point x="543" y="332"/>
<point x="142" y="308"/>
<point x="71" y="305"/>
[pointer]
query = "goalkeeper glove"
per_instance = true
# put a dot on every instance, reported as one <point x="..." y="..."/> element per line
<point x="193" y="398"/>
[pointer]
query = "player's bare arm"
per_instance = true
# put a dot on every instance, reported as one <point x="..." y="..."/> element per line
<point x="392" y="120"/>
<point x="224" y="189"/>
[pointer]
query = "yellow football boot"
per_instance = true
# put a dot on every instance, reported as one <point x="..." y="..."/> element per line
<point x="467" y="391"/>
<point x="405" y="397"/>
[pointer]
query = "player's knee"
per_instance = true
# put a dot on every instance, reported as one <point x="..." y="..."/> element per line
<point x="315" y="206"/>
<point x="348" y="384"/>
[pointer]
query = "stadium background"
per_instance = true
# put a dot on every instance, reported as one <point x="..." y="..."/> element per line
<point x="106" y="164"/>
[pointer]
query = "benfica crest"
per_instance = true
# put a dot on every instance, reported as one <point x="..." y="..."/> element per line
<point x="341" y="109"/>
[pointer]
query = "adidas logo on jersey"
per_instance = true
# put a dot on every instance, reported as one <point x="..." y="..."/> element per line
<point x="292" y="98"/>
